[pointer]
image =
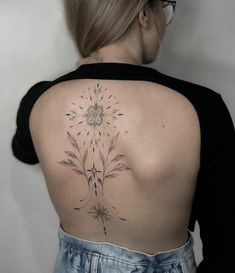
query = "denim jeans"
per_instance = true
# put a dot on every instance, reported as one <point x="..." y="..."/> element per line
<point x="82" y="256"/>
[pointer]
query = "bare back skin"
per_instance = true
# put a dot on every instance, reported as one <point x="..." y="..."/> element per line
<point x="120" y="159"/>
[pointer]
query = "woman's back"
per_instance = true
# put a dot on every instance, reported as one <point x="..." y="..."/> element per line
<point x="130" y="156"/>
<point x="120" y="159"/>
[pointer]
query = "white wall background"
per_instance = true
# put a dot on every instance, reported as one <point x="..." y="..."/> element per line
<point x="198" y="46"/>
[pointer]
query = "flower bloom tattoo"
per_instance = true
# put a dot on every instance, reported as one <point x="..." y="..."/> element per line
<point x="89" y="120"/>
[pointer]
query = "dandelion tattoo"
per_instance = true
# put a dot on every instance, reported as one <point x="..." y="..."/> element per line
<point x="89" y="120"/>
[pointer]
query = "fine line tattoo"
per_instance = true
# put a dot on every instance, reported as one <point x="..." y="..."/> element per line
<point x="92" y="121"/>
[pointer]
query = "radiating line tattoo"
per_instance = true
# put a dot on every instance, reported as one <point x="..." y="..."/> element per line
<point x="94" y="116"/>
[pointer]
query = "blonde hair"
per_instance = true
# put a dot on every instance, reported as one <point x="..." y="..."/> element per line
<point x="96" y="23"/>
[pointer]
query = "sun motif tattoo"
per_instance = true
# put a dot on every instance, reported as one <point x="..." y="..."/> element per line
<point x="89" y="119"/>
<point x="94" y="121"/>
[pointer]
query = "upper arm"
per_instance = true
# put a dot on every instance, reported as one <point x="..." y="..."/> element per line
<point x="216" y="203"/>
<point x="22" y="145"/>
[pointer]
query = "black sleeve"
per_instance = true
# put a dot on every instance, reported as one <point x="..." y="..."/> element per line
<point x="216" y="204"/>
<point x="21" y="144"/>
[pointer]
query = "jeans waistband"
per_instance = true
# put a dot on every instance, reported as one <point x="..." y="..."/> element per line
<point x="125" y="254"/>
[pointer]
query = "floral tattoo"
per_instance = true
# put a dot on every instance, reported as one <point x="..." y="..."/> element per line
<point x="101" y="112"/>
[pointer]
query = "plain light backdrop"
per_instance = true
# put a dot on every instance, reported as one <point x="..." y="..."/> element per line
<point x="198" y="46"/>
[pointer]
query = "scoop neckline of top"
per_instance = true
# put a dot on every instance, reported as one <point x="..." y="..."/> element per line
<point x="115" y="68"/>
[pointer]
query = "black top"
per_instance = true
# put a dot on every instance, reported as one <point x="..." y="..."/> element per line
<point x="214" y="200"/>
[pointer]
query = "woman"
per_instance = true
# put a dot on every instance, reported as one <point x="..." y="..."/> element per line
<point x="131" y="157"/>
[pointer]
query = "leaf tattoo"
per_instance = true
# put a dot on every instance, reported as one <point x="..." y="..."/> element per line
<point x="113" y="143"/>
<point x="68" y="162"/>
<point x="102" y="158"/>
<point x="73" y="141"/>
<point x="85" y="156"/>
<point x="118" y="157"/>
<point x="111" y="175"/>
<point x="71" y="154"/>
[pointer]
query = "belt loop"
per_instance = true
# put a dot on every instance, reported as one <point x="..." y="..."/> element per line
<point x="94" y="262"/>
